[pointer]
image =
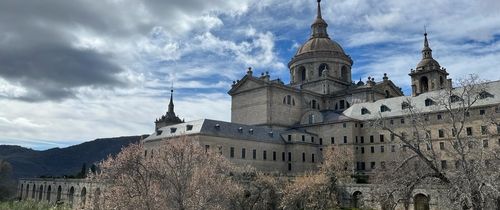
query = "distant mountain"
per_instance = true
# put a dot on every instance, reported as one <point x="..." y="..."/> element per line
<point x="62" y="161"/>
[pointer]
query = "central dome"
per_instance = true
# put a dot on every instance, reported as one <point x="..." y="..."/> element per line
<point x="320" y="44"/>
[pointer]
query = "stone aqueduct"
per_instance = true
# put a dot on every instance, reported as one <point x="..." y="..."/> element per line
<point x="77" y="193"/>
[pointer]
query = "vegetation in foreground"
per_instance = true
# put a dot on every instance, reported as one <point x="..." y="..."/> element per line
<point x="30" y="205"/>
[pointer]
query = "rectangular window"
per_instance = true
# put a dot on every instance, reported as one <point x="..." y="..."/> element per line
<point x="312" y="139"/>
<point x="372" y="165"/>
<point x="371" y="139"/>
<point x="312" y="158"/>
<point x="303" y="138"/>
<point x="303" y="157"/>
<point x="289" y="156"/>
<point x="381" y="137"/>
<point x="231" y="153"/>
<point x="372" y="149"/>
<point x="363" y="166"/>
<point x="469" y="131"/>
<point x="482" y="112"/>
<point x="391" y="122"/>
<point x="356" y="139"/>
<point x="243" y="153"/>
<point x="254" y="154"/>
<point x="393" y="137"/>
<point x="283" y="156"/>
<point x="484" y="130"/>
<point x="289" y="167"/>
<point x="264" y="155"/>
<point x="362" y="139"/>
<point x="332" y="139"/>
<point x="320" y="141"/>
<point x="402" y="121"/>
<point x="362" y="150"/>
<point x="345" y="139"/>
<point x="393" y="148"/>
<point x="485" y="143"/>
<point x="441" y="133"/>
<point x="382" y="149"/>
<point x="441" y="145"/>
<point x="361" y="125"/>
<point x="439" y="117"/>
<point x="444" y="166"/>
<point x="289" y="137"/>
<point x="274" y="155"/>
<point x="453" y="132"/>
<point x="344" y="125"/>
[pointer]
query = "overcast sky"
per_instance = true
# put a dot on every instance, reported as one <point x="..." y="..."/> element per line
<point x="72" y="71"/>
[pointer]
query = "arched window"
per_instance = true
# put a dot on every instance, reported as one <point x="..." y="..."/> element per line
<point x="49" y="191"/>
<point x="71" y="196"/>
<point x="313" y="104"/>
<point x="387" y="94"/>
<point x="344" y="73"/>
<point x="429" y="102"/>
<point x="288" y="99"/>
<point x="321" y="68"/>
<point x="364" y="111"/>
<point x="59" y="191"/>
<point x="40" y="193"/>
<point x="33" y="192"/>
<point x="293" y="102"/>
<point x="302" y="73"/>
<point x="441" y="81"/>
<point x="384" y="108"/>
<point x="342" y="104"/>
<point x="312" y="119"/>
<point x="97" y="197"/>
<point x="83" y="197"/>
<point x="424" y="85"/>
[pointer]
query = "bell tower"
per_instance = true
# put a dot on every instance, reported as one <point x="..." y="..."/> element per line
<point x="429" y="75"/>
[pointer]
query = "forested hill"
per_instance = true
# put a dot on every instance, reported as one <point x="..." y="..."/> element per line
<point x="61" y="161"/>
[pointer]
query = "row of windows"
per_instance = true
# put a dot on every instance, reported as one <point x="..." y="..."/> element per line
<point x="284" y="156"/>
<point x="289" y="100"/>
<point x="361" y="166"/>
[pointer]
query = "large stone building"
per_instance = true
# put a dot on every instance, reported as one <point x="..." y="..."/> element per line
<point x="283" y="128"/>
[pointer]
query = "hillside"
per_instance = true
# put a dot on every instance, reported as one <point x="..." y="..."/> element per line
<point x="61" y="161"/>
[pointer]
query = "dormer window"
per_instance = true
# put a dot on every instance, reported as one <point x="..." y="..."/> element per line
<point x="429" y="102"/>
<point x="270" y="133"/>
<point x="240" y="130"/>
<point x="172" y="130"/>
<point x="189" y="127"/>
<point x="158" y="132"/>
<point x="250" y="131"/>
<point x="217" y="126"/>
<point x="405" y="105"/>
<point x="485" y="94"/>
<point x="364" y="111"/>
<point x="455" y="98"/>
<point x="384" y="108"/>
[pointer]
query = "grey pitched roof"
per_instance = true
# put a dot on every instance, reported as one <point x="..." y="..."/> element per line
<point x="394" y="104"/>
<point x="219" y="129"/>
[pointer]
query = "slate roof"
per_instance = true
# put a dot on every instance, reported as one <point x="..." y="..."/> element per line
<point x="219" y="129"/>
<point x="394" y="104"/>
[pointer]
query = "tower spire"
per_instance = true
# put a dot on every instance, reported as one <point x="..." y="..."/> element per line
<point x="319" y="26"/>
<point x="426" y="51"/>
<point x="171" y="104"/>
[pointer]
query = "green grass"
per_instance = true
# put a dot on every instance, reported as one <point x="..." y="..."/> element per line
<point x="30" y="205"/>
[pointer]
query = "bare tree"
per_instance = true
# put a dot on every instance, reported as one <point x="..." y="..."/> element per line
<point x="425" y="161"/>
<point x="321" y="189"/>
<point x="181" y="175"/>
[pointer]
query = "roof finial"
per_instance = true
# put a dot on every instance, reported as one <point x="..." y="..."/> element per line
<point x="171" y="104"/>
<point x="319" y="9"/>
<point x="426" y="42"/>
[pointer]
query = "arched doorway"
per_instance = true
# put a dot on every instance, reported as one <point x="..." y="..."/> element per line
<point x="49" y="191"/>
<point x="40" y="193"/>
<point x="424" y="84"/>
<point x="357" y="199"/>
<point x="71" y="196"/>
<point x="421" y="202"/>
<point x="83" y="197"/>
<point x="59" y="191"/>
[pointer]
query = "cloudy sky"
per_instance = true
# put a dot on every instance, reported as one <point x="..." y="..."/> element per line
<point x="77" y="70"/>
